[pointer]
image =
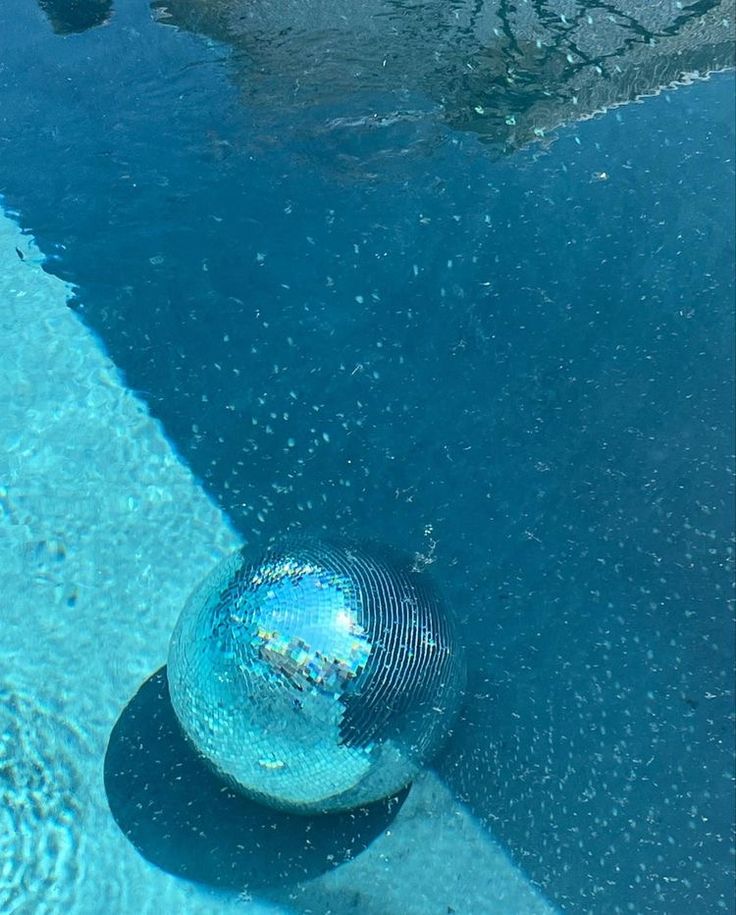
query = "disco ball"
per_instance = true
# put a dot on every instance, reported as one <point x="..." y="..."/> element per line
<point x="316" y="677"/>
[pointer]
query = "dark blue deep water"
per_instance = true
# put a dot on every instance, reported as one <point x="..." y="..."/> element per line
<point x="519" y="365"/>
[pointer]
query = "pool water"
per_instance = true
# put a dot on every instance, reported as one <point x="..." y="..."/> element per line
<point x="237" y="305"/>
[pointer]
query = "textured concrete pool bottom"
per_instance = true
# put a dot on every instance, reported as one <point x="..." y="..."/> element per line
<point x="103" y="533"/>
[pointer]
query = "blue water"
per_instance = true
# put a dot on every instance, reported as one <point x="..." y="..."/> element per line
<point x="520" y="366"/>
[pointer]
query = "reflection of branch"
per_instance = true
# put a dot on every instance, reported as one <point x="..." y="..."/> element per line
<point x="536" y="69"/>
<point x="551" y="64"/>
<point x="560" y="43"/>
<point x="642" y="35"/>
<point x="699" y="8"/>
<point x="505" y="9"/>
<point x="67" y="18"/>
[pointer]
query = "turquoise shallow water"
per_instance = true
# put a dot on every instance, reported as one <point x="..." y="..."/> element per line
<point x="353" y="316"/>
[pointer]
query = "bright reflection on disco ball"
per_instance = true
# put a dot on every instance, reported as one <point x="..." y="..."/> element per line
<point x="316" y="677"/>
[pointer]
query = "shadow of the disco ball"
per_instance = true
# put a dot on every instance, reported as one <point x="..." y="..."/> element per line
<point x="187" y="821"/>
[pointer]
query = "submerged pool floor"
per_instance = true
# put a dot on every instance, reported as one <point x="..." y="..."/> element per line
<point x="103" y="533"/>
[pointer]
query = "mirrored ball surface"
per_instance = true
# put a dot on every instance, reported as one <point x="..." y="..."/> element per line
<point x="316" y="677"/>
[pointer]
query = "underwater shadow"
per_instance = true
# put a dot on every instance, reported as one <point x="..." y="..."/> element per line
<point x="182" y="817"/>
